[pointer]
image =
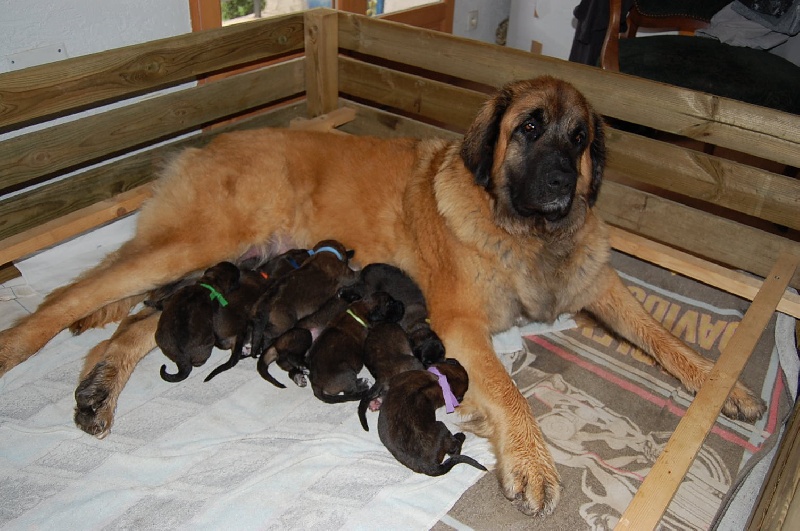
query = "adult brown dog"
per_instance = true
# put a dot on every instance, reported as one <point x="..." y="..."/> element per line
<point x="494" y="228"/>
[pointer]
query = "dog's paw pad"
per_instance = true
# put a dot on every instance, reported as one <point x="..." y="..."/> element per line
<point x="375" y="404"/>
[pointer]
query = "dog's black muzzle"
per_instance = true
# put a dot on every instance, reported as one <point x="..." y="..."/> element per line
<point x="546" y="190"/>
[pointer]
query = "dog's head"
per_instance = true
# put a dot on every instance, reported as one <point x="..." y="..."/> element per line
<point x="384" y="308"/>
<point x="537" y="147"/>
<point x="224" y="276"/>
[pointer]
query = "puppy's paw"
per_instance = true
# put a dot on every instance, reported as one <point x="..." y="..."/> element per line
<point x="530" y="480"/>
<point x="94" y="410"/>
<point x="742" y="404"/>
<point x="375" y="404"/>
<point x="300" y="380"/>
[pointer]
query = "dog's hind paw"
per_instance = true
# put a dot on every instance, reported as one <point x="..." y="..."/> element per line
<point x="530" y="481"/>
<point x="94" y="410"/>
<point x="742" y="404"/>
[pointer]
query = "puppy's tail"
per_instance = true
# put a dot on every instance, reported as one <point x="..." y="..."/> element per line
<point x="182" y="374"/>
<point x="374" y="393"/>
<point x="263" y="367"/>
<point x="452" y="461"/>
<point x="338" y="399"/>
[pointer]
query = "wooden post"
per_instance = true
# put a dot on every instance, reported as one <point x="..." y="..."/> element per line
<point x="663" y="480"/>
<point x="322" y="69"/>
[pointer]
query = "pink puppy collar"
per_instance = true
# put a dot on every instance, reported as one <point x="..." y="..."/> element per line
<point x="450" y="400"/>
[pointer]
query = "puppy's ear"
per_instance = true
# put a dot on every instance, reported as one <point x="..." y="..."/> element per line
<point x="477" y="148"/>
<point x="597" y="152"/>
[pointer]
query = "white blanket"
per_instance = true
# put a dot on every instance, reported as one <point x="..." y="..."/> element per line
<point x="233" y="453"/>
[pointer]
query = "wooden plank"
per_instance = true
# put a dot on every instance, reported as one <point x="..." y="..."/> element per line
<point x="382" y="123"/>
<point x="731" y="185"/>
<point x="719" y="181"/>
<point x="90" y="80"/>
<point x="663" y="480"/>
<point x="736" y="125"/>
<point x="69" y="145"/>
<point x="694" y="231"/>
<point x="778" y="496"/>
<point x="413" y="94"/>
<point x="30" y="209"/>
<point x="325" y="122"/>
<point x="322" y="83"/>
<point x="74" y="223"/>
<point x="701" y="270"/>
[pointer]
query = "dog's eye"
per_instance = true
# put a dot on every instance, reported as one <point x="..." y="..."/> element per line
<point x="532" y="129"/>
<point x="579" y="137"/>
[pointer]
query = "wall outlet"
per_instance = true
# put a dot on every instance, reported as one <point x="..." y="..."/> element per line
<point x="472" y="20"/>
<point x="36" y="57"/>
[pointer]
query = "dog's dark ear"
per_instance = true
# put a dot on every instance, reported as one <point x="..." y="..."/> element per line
<point x="477" y="148"/>
<point x="597" y="152"/>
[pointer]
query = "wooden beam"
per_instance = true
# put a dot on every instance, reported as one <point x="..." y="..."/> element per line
<point x="322" y="75"/>
<point x="72" y="224"/>
<point x="704" y="271"/>
<point x="325" y="122"/>
<point x="663" y="480"/>
<point x="91" y="80"/>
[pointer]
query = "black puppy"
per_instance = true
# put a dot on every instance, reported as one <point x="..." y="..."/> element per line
<point x="252" y="284"/>
<point x="297" y="295"/>
<point x="337" y="355"/>
<point x="387" y="352"/>
<point x="407" y="423"/>
<point x="425" y="343"/>
<point x="192" y="322"/>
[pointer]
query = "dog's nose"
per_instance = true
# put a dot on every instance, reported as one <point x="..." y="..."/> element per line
<point x="560" y="182"/>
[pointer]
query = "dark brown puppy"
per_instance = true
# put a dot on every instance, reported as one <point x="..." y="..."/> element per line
<point x="337" y="355"/>
<point x="387" y="352"/>
<point x="194" y="321"/>
<point x="425" y="343"/>
<point x="252" y="284"/>
<point x="495" y="227"/>
<point x="407" y="423"/>
<point x="294" y="296"/>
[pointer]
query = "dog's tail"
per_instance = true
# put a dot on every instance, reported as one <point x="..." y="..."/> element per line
<point x="263" y="367"/>
<point x="452" y="461"/>
<point x="183" y="373"/>
<point x="236" y="355"/>
<point x="375" y="393"/>
<point x="338" y="399"/>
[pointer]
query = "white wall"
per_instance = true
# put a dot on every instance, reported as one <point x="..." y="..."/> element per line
<point x="87" y="26"/>
<point x="549" y="22"/>
<point x="490" y="14"/>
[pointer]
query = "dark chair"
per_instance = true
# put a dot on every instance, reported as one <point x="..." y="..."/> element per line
<point x="698" y="63"/>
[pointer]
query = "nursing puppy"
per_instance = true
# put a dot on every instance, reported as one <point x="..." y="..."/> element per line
<point x="425" y="343"/>
<point x="407" y="423"/>
<point x="194" y="320"/>
<point x="337" y="355"/>
<point x="297" y="295"/>
<point x="387" y="352"/>
<point x="253" y="283"/>
<point x="495" y="228"/>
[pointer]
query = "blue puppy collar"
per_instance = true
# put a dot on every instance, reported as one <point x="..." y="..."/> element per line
<point x="329" y="250"/>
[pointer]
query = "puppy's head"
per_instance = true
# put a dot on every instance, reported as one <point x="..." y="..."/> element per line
<point x="538" y="148"/>
<point x="334" y="247"/>
<point x="456" y="376"/>
<point x="384" y="308"/>
<point x="224" y="276"/>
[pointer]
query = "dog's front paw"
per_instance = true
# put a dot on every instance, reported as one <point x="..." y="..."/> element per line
<point x="742" y="404"/>
<point x="300" y="379"/>
<point x="530" y="480"/>
<point x="94" y="410"/>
